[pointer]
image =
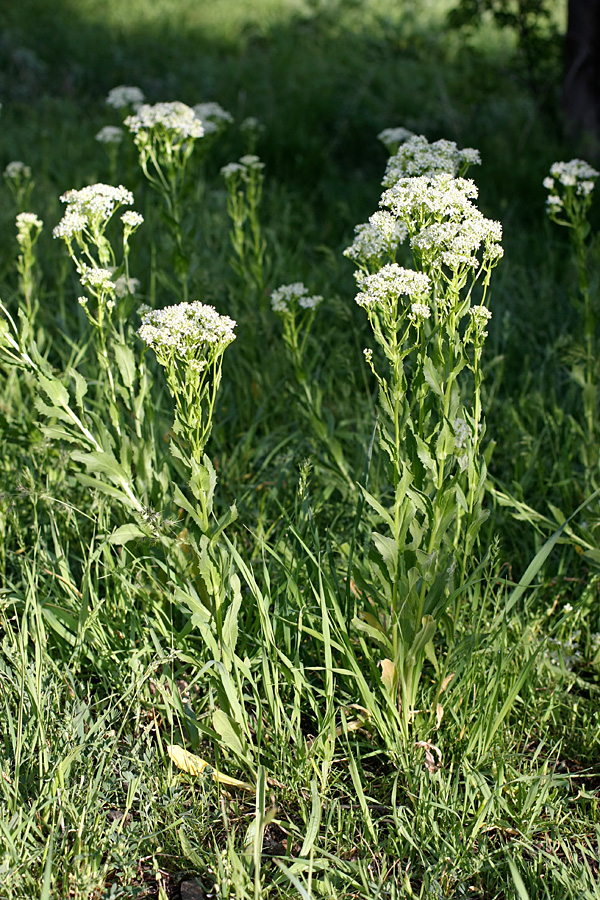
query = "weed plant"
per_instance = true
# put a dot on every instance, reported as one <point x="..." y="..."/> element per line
<point x="280" y="617"/>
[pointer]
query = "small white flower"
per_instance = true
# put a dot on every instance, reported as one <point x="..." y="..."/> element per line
<point x="125" y="95"/>
<point x="419" y="311"/>
<point x="96" y="277"/>
<point x="123" y="287"/>
<point x="389" y="137"/>
<point x="27" y="220"/>
<point x="231" y="170"/>
<point x="132" y="219"/>
<point x="567" y="608"/>
<point x="175" y="119"/>
<point x="418" y="157"/>
<point x="212" y="116"/>
<point x="17" y="170"/>
<point x="389" y="283"/>
<point x="110" y="134"/>
<point x="187" y="331"/>
<point x="286" y="297"/>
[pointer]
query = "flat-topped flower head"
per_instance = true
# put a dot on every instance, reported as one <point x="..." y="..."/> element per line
<point x="416" y="156"/>
<point x="110" y="134"/>
<point x="17" y="171"/>
<point x="125" y="95"/>
<point x="377" y="238"/>
<point x="212" y="116"/>
<point x="457" y="244"/>
<point x="577" y="173"/>
<point x="391" y="282"/>
<point x="97" y="278"/>
<point x="28" y="220"/>
<point x="570" y="186"/>
<point x="90" y="208"/>
<point x="421" y="200"/>
<point x="393" y="137"/>
<point x="174" y="120"/>
<point x="97" y="199"/>
<point x="288" y="297"/>
<point x="186" y="332"/>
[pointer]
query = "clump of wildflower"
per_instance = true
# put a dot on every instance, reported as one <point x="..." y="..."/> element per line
<point x="383" y="288"/>
<point x="416" y="156"/>
<point x="19" y="182"/>
<point x="422" y="200"/>
<point x="174" y="121"/>
<point x="186" y="332"/>
<point x="110" y="134"/>
<point x="391" y="138"/>
<point x="251" y="129"/>
<point x="87" y="215"/>
<point x="376" y="239"/>
<point x="124" y="96"/>
<point x="189" y="340"/>
<point x="244" y="181"/>
<point x="288" y="297"/>
<point x="29" y="227"/>
<point x="17" y="171"/>
<point x="212" y="116"/>
<point x="455" y="244"/>
<point x="570" y="186"/>
<point x="124" y="286"/>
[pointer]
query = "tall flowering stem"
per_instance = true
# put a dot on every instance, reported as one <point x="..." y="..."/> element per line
<point x="571" y="185"/>
<point x="429" y="322"/>
<point x="29" y="228"/>
<point x="165" y="135"/>
<point x="244" y="181"/>
<point x="104" y="277"/>
<point x="189" y="340"/>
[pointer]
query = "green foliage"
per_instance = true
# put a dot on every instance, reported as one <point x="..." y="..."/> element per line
<point x="272" y="551"/>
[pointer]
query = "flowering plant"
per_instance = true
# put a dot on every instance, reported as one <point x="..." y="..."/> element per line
<point x="571" y="186"/>
<point x="431" y="331"/>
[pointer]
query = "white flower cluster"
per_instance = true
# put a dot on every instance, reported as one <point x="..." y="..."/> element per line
<point x="576" y="174"/>
<point x="97" y="278"/>
<point x="26" y="220"/>
<point x="245" y="167"/>
<point x="17" y="171"/>
<point x="419" y="311"/>
<point x="132" y="219"/>
<point x="418" y="157"/>
<point x="124" y="286"/>
<point x="125" y="95"/>
<point x="90" y="205"/>
<point x="110" y="134"/>
<point x="421" y="200"/>
<point x="176" y="119"/>
<point x="378" y="237"/>
<point x="187" y="331"/>
<point x="389" y="283"/>
<point x="391" y="137"/>
<point x="287" y="297"/>
<point x="456" y="244"/>
<point x="212" y="116"/>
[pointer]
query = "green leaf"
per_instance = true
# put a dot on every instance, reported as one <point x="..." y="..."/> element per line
<point x="125" y="533"/>
<point x="314" y="821"/>
<point x="229" y="732"/>
<point x="126" y="363"/>
<point x="388" y="549"/>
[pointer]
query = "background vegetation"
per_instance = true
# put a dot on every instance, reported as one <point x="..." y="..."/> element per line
<point x="104" y="662"/>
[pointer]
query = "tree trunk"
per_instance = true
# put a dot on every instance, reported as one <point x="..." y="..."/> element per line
<point x="581" y="86"/>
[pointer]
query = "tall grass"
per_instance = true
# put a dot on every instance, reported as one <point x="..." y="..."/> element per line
<point x="209" y="680"/>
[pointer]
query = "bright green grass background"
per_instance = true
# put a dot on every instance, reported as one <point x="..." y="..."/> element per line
<point x="88" y="701"/>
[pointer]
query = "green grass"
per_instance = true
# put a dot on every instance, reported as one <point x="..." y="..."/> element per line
<point x="107" y="652"/>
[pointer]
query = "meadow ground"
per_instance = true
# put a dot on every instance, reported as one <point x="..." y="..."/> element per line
<point x="361" y="590"/>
